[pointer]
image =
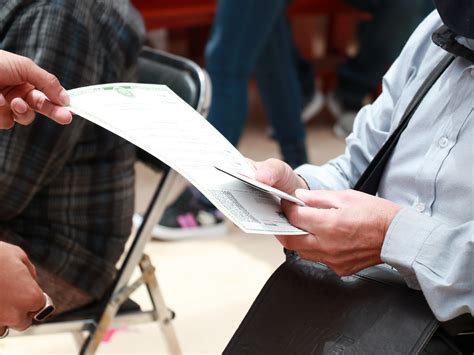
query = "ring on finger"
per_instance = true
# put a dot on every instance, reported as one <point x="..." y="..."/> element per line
<point x="47" y="309"/>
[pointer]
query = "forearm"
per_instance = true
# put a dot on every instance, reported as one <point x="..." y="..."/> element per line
<point x="436" y="258"/>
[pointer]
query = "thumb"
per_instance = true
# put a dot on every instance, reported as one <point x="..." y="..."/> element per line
<point x="44" y="81"/>
<point x="278" y="174"/>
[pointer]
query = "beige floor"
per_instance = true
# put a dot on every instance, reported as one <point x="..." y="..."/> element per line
<point x="209" y="283"/>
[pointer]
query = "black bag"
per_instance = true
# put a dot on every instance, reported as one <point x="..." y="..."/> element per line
<point x="305" y="308"/>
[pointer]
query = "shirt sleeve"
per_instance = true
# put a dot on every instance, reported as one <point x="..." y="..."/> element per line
<point x="439" y="258"/>
<point x="433" y="259"/>
<point x="374" y="122"/>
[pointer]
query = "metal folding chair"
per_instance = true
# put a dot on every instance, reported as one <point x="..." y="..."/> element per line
<point x="90" y="324"/>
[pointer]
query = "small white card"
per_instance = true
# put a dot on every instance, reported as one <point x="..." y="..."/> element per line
<point x="261" y="186"/>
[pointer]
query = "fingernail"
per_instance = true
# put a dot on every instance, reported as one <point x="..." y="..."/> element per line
<point x="65" y="117"/>
<point x="64" y="98"/>
<point x="2" y="100"/>
<point x="20" y="107"/>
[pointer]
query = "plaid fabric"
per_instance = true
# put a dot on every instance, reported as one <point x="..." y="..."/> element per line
<point x="66" y="192"/>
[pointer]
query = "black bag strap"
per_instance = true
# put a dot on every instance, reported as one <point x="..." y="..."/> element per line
<point x="370" y="179"/>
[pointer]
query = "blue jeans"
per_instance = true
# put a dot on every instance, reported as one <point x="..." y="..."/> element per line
<point x="252" y="37"/>
<point x="381" y="40"/>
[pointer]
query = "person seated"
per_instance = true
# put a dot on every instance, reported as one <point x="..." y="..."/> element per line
<point x="67" y="192"/>
<point x="264" y="48"/>
<point x="422" y="220"/>
<point x="24" y="87"/>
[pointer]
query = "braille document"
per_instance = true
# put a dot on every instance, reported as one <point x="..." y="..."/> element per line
<point x="158" y="121"/>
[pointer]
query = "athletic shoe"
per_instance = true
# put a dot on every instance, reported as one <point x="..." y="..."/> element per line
<point x="344" y="117"/>
<point x="312" y="106"/>
<point x="187" y="217"/>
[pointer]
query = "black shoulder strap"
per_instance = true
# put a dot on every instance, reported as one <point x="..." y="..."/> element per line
<point x="370" y="179"/>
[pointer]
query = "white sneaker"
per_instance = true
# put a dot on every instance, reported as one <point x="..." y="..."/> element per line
<point x="344" y="118"/>
<point x="313" y="106"/>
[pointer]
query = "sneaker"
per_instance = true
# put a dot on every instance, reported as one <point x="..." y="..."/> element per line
<point x="187" y="217"/>
<point x="312" y="106"/>
<point x="344" y="117"/>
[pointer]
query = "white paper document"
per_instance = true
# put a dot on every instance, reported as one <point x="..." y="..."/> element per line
<point x="155" y="119"/>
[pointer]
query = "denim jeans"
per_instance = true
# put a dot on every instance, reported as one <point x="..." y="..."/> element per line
<point x="380" y="41"/>
<point x="252" y="37"/>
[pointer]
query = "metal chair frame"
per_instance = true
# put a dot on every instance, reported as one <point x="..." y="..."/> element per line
<point x="88" y="333"/>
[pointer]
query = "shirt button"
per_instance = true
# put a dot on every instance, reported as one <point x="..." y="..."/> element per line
<point x="443" y="142"/>
<point x="420" y="207"/>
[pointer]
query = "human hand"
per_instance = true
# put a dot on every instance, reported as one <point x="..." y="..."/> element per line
<point x="20" y="295"/>
<point x="25" y="88"/>
<point x="346" y="229"/>
<point x="279" y="175"/>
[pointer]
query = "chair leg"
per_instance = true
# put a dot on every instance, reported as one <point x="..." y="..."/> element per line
<point x="162" y="313"/>
<point x="78" y="338"/>
<point x="92" y="342"/>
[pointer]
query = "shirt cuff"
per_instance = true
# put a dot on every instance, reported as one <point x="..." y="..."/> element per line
<point x="324" y="177"/>
<point x="404" y="240"/>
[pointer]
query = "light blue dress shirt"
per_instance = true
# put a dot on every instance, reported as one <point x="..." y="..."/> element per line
<point x="430" y="174"/>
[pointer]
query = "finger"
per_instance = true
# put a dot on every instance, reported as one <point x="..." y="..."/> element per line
<point x="26" y="261"/>
<point x="34" y="300"/>
<point x="313" y="220"/>
<point x="278" y="174"/>
<point x="29" y="302"/>
<point x="299" y="243"/>
<point x="39" y="102"/>
<point x="6" y="118"/>
<point x="22" y="113"/>
<point x="31" y="268"/>
<point x="310" y="255"/>
<point x="43" y="81"/>
<point x="272" y="172"/>
<point x="22" y="322"/>
<point x="319" y="198"/>
<point x="3" y="102"/>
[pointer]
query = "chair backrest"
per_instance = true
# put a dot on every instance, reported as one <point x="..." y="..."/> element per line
<point x="191" y="83"/>
<point x="183" y="76"/>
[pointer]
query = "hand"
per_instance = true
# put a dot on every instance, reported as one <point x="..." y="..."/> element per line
<point x="25" y="88"/>
<point x="346" y="229"/>
<point x="279" y="175"/>
<point x="20" y="295"/>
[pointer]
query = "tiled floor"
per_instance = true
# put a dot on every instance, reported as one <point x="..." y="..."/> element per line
<point x="209" y="283"/>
